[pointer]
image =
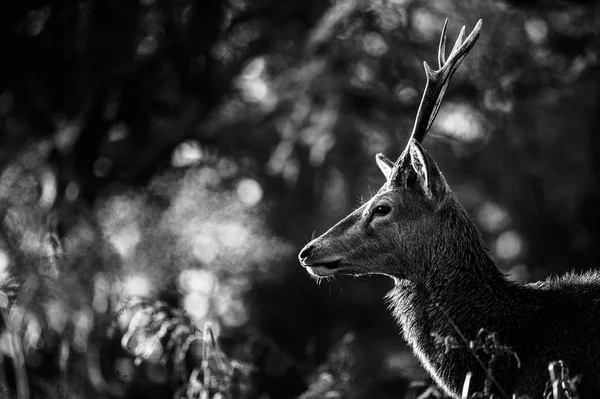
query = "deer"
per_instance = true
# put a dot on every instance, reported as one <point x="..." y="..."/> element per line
<point x="446" y="286"/>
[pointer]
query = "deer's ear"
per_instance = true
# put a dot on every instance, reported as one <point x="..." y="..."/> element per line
<point x="419" y="164"/>
<point x="429" y="177"/>
<point x="385" y="165"/>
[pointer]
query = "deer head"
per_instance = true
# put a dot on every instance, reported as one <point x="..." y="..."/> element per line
<point x="395" y="231"/>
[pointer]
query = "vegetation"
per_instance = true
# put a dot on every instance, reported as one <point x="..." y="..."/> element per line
<point x="162" y="162"/>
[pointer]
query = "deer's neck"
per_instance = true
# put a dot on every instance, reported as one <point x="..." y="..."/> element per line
<point x="460" y="292"/>
<point x="466" y="299"/>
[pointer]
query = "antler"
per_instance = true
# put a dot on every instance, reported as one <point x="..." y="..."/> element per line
<point x="437" y="81"/>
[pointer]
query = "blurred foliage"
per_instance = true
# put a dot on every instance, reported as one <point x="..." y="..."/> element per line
<point x="161" y="162"/>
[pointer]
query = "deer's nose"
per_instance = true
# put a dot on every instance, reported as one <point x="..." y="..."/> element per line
<point x="306" y="251"/>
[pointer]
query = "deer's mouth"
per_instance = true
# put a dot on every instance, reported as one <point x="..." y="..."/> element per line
<point x="323" y="269"/>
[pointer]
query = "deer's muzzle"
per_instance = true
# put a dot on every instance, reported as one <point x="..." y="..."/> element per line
<point x="318" y="264"/>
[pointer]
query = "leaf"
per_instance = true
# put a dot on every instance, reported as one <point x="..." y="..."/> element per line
<point x="3" y="300"/>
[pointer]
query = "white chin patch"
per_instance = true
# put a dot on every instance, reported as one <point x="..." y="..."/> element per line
<point x="320" y="271"/>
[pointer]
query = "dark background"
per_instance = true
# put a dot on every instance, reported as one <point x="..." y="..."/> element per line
<point x="184" y="151"/>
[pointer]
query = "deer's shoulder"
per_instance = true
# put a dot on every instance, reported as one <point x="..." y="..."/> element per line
<point x="571" y="293"/>
<point x="585" y="282"/>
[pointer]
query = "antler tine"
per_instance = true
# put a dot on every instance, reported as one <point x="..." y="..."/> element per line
<point x="437" y="81"/>
<point x="442" y="47"/>
<point x="459" y="40"/>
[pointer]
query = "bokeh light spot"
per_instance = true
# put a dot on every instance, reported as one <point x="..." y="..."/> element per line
<point x="362" y="73"/>
<point x="49" y="189"/>
<point x="196" y="305"/>
<point x="406" y="94"/>
<point x="254" y="68"/>
<point x="492" y="217"/>
<point x="227" y="167"/>
<point x="234" y="313"/>
<point x="508" y="245"/>
<point x="536" y="29"/>
<point x="205" y="248"/>
<point x="498" y="101"/>
<point x="118" y="131"/>
<point x="126" y="239"/>
<point x="253" y="83"/>
<point x="33" y="337"/>
<point x="249" y="191"/>
<point x="395" y="18"/>
<point x="255" y="91"/>
<point x="147" y="46"/>
<point x="101" y="293"/>
<point x="232" y="235"/>
<point x="137" y="285"/>
<point x="197" y="280"/>
<point x="460" y="121"/>
<point x="57" y="316"/>
<point x="72" y="191"/>
<point x="187" y="153"/>
<point x="425" y="22"/>
<point x="4" y="262"/>
<point x="374" y="44"/>
<point x="37" y="20"/>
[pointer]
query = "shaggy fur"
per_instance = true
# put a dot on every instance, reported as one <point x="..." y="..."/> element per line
<point x="541" y="322"/>
<point x="415" y="231"/>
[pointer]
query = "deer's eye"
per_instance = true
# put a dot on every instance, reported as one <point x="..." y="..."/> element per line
<point x="381" y="210"/>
